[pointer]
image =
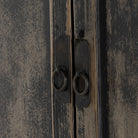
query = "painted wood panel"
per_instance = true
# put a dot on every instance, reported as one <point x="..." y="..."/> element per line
<point x="25" y="86"/>
<point x="85" y="27"/>
<point x="29" y="33"/>
<point x="122" y="67"/>
<point x="61" y="47"/>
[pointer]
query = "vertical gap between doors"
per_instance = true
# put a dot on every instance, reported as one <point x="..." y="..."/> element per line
<point x="73" y="69"/>
<point x="103" y="66"/>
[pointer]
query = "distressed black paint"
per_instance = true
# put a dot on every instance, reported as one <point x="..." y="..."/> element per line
<point x="25" y="106"/>
<point x="122" y="68"/>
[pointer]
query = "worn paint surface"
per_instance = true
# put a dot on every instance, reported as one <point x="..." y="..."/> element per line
<point x="29" y="106"/>
<point x="25" y="106"/>
<point x="61" y="48"/>
<point x="122" y="68"/>
<point x="85" y="28"/>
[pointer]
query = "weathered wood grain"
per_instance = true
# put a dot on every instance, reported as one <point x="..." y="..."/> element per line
<point x="85" y="22"/>
<point x="29" y="32"/>
<point x="25" y="87"/>
<point x="62" y="102"/>
<point x="122" y="67"/>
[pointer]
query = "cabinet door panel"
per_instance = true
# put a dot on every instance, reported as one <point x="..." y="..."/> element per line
<point x="61" y="55"/>
<point x="85" y="28"/>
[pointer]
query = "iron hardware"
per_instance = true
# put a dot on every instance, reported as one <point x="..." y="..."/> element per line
<point x="59" y="79"/>
<point x="81" y="84"/>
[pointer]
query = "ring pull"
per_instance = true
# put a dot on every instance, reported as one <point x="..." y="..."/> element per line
<point x="80" y="84"/>
<point x="59" y="79"/>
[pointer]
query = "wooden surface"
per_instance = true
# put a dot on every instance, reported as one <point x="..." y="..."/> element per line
<point x="122" y="68"/>
<point x="25" y="86"/>
<point x="29" y="107"/>
<point x="61" y="48"/>
<point x="29" y="32"/>
<point x="85" y="28"/>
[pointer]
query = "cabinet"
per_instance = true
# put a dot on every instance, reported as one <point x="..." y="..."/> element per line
<point x="39" y="36"/>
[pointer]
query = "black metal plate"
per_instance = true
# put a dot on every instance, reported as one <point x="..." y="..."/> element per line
<point x="62" y="59"/>
<point x="82" y="64"/>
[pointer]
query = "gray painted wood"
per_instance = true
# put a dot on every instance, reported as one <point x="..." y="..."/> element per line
<point x="29" y="105"/>
<point x="85" y="22"/>
<point x="122" y="68"/>
<point x="61" y="35"/>
<point x="25" y="87"/>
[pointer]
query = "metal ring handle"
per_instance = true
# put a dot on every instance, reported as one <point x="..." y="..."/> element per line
<point x="59" y="72"/>
<point x="86" y="83"/>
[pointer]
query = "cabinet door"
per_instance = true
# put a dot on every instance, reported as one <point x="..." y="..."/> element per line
<point x="61" y="57"/>
<point x="38" y="46"/>
<point x="86" y="29"/>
